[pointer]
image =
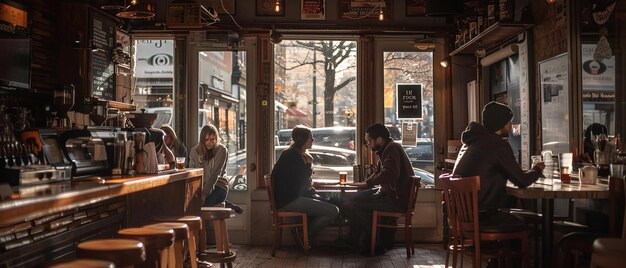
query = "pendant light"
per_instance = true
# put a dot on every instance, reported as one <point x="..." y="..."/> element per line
<point x="114" y="5"/>
<point x="138" y="9"/>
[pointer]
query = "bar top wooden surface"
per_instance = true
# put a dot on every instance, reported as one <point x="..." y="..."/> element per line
<point x="554" y="189"/>
<point x="36" y="201"/>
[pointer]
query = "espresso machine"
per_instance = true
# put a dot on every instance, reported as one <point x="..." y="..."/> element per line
<point x="36" y="159"/>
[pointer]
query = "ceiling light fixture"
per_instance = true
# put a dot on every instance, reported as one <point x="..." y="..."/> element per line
<point x="275" y="36"/>
<point x="381" y="16"/>
<point x="424" y="43"/>
<point x="550" y="1"/>
<point x="113" y="5"/>
<point x="138" y="9"/>
<point x="277" y="6"/>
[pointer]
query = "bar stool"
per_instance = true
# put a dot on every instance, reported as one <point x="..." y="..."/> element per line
<point x="156" y="240"/>
<point x="196" y="231"/>
<point x="85" y="263"/>
<point x="218" y="217"/>
<point x="121" y="252"/>
<point x="181" y="233"/>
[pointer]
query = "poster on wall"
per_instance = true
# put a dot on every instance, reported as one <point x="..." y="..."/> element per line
<point x="364" y="9"/>
<point x="154" y="59"/>
<point x="597" y="74"/>
<point x="554" y="87"/>
<point x="312" y="9"/>
<point x="409" y="101"/>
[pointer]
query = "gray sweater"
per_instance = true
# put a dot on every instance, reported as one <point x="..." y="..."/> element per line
<point x="214" y="169"/>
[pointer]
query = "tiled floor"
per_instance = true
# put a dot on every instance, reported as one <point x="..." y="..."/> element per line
<point x="429" y="255"/>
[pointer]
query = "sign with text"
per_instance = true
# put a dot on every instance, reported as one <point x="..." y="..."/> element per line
<point x="409" y="101"/>
<point x="409" y="134"/>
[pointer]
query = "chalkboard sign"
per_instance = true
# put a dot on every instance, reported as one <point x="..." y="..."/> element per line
<point x="102" y="45"/>
<point x="409" y="101"/>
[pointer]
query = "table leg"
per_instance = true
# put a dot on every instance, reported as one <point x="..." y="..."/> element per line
<point x="547" y="206"/>
<point x="341" y="219"/>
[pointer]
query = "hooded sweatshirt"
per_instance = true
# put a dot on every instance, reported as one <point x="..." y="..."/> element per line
<point x="489" y="156"/>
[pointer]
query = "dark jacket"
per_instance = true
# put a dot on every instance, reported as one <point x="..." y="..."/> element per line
<point x="489" y="156"/>
<point x="291" y="177"/>
<point x="393" y="173"/>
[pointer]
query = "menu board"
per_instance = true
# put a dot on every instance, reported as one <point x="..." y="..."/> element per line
<point x="102" y="67"/>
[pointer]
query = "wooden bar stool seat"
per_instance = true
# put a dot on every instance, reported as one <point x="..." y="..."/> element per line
<point x="218" y="217"/>
<point x="156" y="241"/>
<point x="196" y="233"/>
<point x="121" y="252"/>
<point x="181" y="233"/>
<point x="85" y="263"/>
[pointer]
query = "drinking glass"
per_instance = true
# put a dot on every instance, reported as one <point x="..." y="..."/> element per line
<point x="180" y="162"/>
<point x="565" y="178"/>
<point x="343" y="177"/>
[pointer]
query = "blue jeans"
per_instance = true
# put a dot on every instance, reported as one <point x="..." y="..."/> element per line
<point x="360" y="210"/>
<point x="320" y="213"/>
<point x="218" y="195"/>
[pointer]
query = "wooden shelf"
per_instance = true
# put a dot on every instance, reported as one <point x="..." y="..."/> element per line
<point x="492" y="36"/>
<point x="122" y="106"/>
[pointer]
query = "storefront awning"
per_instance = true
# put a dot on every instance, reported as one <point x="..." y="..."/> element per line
<point x="295" y="112"/>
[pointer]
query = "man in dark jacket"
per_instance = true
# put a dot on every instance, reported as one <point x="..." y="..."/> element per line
<point x="393" y="173"/>
<point x="486" y="153"/>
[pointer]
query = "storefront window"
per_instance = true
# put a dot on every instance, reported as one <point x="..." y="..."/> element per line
<point x="410" y="71"/>
<point x="154" y="78"/>
<point x="315" y="85"/>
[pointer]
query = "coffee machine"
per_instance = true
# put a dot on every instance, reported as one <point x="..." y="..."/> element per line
<point x="63" y="101"/>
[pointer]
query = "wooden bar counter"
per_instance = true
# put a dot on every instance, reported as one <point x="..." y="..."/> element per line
<point x="40" y="224"/>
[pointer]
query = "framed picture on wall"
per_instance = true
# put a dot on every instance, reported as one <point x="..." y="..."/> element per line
<point x="313" y="9"/>
<point x="415" y="8"/>
<point x="270" y="7"/>
<point x="365" y="9"/>
<point x="554" y="88"/>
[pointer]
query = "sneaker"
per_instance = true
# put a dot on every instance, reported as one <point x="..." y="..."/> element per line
<point x="297" y="235"/>
<point x="234" y="207"/>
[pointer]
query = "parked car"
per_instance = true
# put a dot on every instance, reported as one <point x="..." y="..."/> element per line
<point x="342" y="137"/>
<point x="421" y="155"/>
<point x="327" y="163"/>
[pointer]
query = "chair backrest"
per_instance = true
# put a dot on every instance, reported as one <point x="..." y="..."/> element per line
<point x="270" y="192"/>
<point x="462" y="199"/>
<point x="415" y="185"/>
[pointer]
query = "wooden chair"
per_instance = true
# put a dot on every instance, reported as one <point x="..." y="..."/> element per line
<point x="278" y="216"/>
<point x="407" y="215"/>
<point x="611" y="252"/>
<point x="463" y="212"/>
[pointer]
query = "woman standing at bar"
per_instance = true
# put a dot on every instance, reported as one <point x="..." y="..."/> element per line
<point x="291" y="177"/>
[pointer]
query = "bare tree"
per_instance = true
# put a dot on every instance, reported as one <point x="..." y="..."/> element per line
<point x="333" y="54"/>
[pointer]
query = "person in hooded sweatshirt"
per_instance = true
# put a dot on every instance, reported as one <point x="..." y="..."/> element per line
<point x="487" y="153"/>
